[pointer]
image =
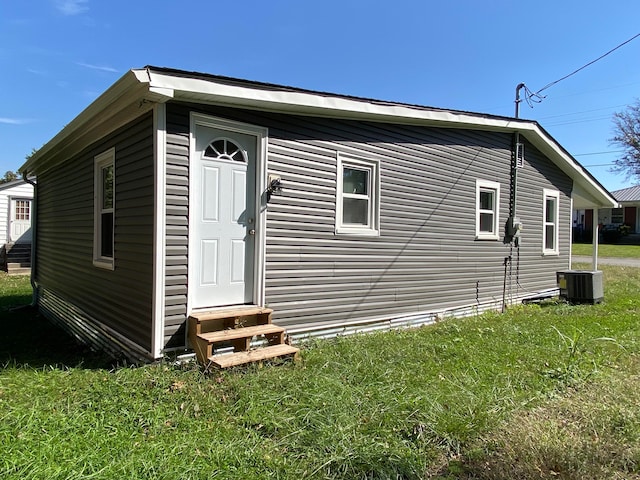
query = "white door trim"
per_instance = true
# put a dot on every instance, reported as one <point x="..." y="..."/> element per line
<point x="12" y="216"/>
<point x="261" y="135"/>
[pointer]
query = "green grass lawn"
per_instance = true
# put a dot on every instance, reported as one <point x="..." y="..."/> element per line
<point x="605" y="250"/>
<point x="542" y="391"/>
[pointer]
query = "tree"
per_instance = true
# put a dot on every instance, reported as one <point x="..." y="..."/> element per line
<point x="8" y="177"/>
<point x="627" y="136"/>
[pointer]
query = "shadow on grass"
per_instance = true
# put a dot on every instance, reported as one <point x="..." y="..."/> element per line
<point x="29" y="340"/>
<point x="545" y="302"/>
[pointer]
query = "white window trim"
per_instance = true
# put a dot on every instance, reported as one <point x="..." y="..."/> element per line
<point x="488" y="185"/>
<point x="373" y="229"/>
<point x="547" y="193"/>
<point x="99" y="162"/>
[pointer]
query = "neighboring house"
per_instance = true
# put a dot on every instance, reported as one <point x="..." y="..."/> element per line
<point x="161" y="201"/>
<point x="628" y="212"/>
<point x="16" y="203"/>
<point x="16" y="207"/>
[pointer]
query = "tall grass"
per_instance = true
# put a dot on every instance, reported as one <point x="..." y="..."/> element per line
<point x="402" y="404"/>
<point x="589" y="432"/>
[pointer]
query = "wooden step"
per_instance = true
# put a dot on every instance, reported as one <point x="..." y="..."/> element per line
<point x="18" y="264"/>
<point x="19" y="271"/>
<point x="239" y="338"/>
<point x="237" y="333"/>
<point x="24" y="247"/>
<point x="223" y="319"/>
<point x="210" y="330"/>
<point x="259" y="354"/>
<point x="226" y="313"/>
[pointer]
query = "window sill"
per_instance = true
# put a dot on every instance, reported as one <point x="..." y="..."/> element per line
<point x="550" y="253"/>
<point x="360" y="232"/>
<point x="104" y="264"/>
<point x="488" y="237"/>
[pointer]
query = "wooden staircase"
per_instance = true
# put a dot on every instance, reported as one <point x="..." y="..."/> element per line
<point x="17" y="258"/>
<point x="209" y="331"/>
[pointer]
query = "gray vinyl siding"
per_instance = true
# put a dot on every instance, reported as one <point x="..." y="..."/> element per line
<point x="538" y="174"/>
<point x="120" y="299"/>
<point x="177" y="229"/>
<point x="426" y="258"/>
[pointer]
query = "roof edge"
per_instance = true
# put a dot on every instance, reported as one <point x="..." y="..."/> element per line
<point x="129" y="89"/>
<point x="138" y="89"/>
<point x="204" y="88"/>
<point x="574" y="169"/>
<point x="628" y="194"/>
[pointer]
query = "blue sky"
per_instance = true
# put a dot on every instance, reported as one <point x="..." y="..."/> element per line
<point x="57" y="56"/>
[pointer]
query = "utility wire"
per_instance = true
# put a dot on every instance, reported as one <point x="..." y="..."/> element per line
<point x="583" y="120"/>
<point x="537" y="95"/>
<point x="597" y="153"/>
<point x="585" y="92"/>
<point x="583" y="111"/>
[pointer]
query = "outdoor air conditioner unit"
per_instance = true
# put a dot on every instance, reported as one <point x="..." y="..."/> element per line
<point x="581" y="286"/>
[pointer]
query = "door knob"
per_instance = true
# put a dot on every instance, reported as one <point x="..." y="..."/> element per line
<point x="252" y="232"/>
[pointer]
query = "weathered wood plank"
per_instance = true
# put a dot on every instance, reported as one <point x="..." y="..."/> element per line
<point x="237" y="333"/>
<point x="236" y="312"/>
<point x="241" y="358"/>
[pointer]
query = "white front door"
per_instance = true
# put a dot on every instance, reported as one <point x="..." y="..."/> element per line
<point x="222" y="249"/>
<point x="20" y="220"/>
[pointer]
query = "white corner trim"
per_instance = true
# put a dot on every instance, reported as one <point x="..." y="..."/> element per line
<point x="159" y="233"/>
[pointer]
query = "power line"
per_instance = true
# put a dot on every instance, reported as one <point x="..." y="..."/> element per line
<point x="596" y="153"/>
<point x="589" y="92"/>
<point x="583" y="120"/>
<point x="537" y="94"/>
<point x="575" y="94"/>
<point x="583" y="111"/>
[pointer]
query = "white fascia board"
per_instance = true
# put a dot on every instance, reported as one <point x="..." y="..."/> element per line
<point x="598" y="197"/>
<point x="162" y="94"/>
<point x="582" y="198"/>
<point x="126" y="99"/>
<point x="211" y="91"/>
<point x="17" y="182"/>
<point x="548" y="146"/>
<point x="128" y="95"/>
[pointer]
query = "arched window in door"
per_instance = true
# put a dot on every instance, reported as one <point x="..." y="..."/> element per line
<point x="225" y="149"/>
